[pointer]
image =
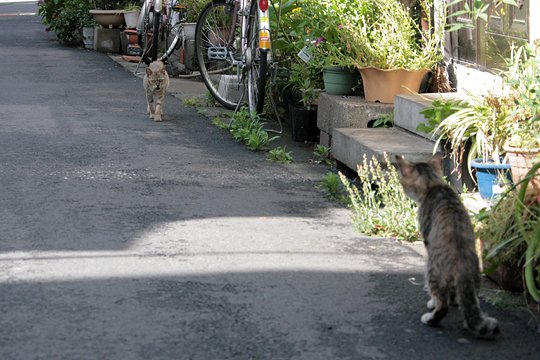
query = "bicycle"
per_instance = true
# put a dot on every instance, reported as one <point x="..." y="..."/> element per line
<point x="159" y="19"/>
<point x="233" y="48"/>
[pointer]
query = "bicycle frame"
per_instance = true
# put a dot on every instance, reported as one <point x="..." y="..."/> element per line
<point x="144" y="8"/>
<point x="158" y="8"/>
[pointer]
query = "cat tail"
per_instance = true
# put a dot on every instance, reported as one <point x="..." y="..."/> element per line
<point x="481" y="325"/>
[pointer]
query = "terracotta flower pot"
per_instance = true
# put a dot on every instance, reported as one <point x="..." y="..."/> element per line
<point x="521" y="161"/>
<point x="109" y="18"/>
<point x="382" y="85"/>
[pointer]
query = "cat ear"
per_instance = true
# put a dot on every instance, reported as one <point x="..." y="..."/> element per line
<point x="403" y="165"/>
<point x="148" y="71"/>
<point x="436" y="163"/>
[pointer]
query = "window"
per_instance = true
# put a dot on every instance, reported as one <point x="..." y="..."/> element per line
<point x="489" y="46"/>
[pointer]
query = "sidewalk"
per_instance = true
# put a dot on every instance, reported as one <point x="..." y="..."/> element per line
<point x="123" y="238"/>
<point x="188" y="88"/>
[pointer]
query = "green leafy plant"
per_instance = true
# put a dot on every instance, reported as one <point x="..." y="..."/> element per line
<point x="280" y="155"/>
<point x="383" y="34"/>
<point x="385" y="121"/>
<point x="132" y="7"/>
<point x="523" y="80"/>
<point x="477" y="10"/>
<point x="333" y="188"/>
<point x="479" y="122"/>
<point x="435" y="113"/>
<point x="303" y="82"/>
<point x="249" y="129"/>
<point x="380" y="200"/>
<point x="66" y="18"/>
<point x="111" y="4"/>
<point x="193" y="9"/>
<point x="193" y="101"/>
<point x="321" y="155"/>
<point x="510" y="232"/>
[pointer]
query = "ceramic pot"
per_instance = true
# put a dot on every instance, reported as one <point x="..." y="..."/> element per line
<point x="131" y="18"/>
<point x="383" y="85"/>
<point x="340" y="80"/>
<point x="521" y="161"/>
<point x="109" y="18"/>
<point x="488" y="177"/>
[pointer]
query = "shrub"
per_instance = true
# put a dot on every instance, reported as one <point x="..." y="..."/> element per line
<point x="380" y="201"/>
<point x="66" y="18"/>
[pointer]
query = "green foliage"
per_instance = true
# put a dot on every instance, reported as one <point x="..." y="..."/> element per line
<point x="303" y="81"/>
<point x="333" y="188"/>
<point x="439" y="110"/>
<point x="383" y="34"/>
<point x="193" y="9"/>
<point x="193" y="101"/>
<point x="380" y="202"/>
<point x="510" y="232"/>
<point x="479" y="121"/>
<point x="280" y="155"/>
<point x="385" y="121"/>
<point x="523" y="80"/>
<point x="220" y="123"/>
<point x="321" y="154"/>
<point x="112" y="4"/>
<point x="66" y="18"/>
<point x="249" y="129"/>
<point x="477" y="10"/>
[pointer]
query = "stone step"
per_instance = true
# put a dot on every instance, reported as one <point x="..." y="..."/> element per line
<point x="349" y="145"/>
<point x="407" y="109"/>
<point x="336" y="111"/>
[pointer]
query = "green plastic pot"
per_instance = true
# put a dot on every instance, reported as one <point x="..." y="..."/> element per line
<point x="340" y="80"/>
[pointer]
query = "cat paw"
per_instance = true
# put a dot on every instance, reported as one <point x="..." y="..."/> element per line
<point x="157" y="118"/>
<point x="427" y="318"/>
<point x="487" y="329"/>
<point x="431" y="304"/>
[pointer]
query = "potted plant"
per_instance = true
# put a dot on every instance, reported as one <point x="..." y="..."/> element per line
<point x="510" y="235"/>
<point x="321" y="20"/>
<point x="109" y="13"/>
<point x="476" y="126"/>
<point x="303" y="113"/>
<point x="131" y="15"/>
<point x="392" y="51"/>
<point x="523" y="82"/>
<point x="67" y="19"/>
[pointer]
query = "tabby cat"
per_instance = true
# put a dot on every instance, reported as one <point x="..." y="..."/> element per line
<point x="155" y="82"/>
<point x="452" y="265"/>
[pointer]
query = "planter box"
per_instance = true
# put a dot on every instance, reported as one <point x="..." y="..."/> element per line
<point x="107" y="40"/>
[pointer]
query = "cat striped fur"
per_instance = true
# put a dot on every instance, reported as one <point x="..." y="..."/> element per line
<point x="452" y="266"/>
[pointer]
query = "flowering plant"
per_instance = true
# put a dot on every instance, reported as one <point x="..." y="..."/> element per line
<point x="366" y="33"/>
<point x="523" y="81"/>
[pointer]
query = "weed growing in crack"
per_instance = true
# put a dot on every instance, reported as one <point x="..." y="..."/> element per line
<point x="333" y="188"/>
<point x="249" y="129"/>
<point x="380" y="206"/>
<point x="321" y="155"/>
<point x="280" y="155"/>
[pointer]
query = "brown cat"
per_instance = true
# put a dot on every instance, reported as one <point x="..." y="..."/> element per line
<point x="155" y="82"/>
<point x="452" y="264"/>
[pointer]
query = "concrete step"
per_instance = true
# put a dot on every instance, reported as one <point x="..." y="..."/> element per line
<point x="407" y="110"/>
<point x="336" y="111"/>
<point x="350" y="144"/>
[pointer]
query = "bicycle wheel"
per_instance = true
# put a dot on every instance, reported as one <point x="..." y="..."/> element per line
<point x="218" y="54"/>
<point x="150" y="35"/>
<point x="257" y="65"/>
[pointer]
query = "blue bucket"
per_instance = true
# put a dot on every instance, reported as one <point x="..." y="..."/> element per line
<point x="488" y="175"/>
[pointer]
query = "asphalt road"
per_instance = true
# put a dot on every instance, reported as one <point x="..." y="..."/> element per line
<point x="121" y="238"/>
